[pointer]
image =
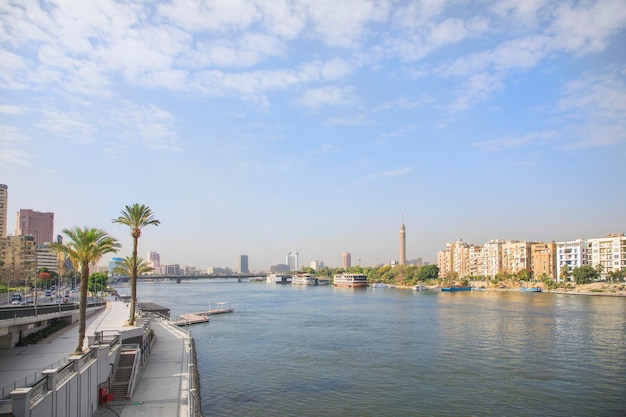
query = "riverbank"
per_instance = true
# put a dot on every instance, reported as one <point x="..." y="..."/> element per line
<point x="596" y="288"/>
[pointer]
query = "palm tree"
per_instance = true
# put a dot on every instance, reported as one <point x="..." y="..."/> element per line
<point x="136" y="217"/>
<point x="86" y="246"/>
<point x="126" y="267"/>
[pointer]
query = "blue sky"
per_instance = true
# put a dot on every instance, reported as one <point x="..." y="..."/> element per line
<point x="263" y="127"/>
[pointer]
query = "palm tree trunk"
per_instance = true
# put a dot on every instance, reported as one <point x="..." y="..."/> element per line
<point x="133" y="284"/>
<point x="82" y="307"/>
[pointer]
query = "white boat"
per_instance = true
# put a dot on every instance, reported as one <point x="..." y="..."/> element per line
<point x="379" y="285"/>
<point x="350" y="280"/>
<point x="419" y="288"/>
<point x="279" y="278"/>
<point x="304" y="279"/>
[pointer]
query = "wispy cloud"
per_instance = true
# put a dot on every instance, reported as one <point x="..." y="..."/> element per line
<point x="511" y="142"/>
<point x="385" y="137"/>
<point x="393" y="173"/>
<point x="327" y="96"/>
<point x="11" y="142"/>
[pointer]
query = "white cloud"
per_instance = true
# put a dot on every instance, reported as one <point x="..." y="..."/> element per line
<point x="510" y="142"/>
<point x="596" y="105"/>
<point x="393" y="173"/>
<point x="327" y="96"/>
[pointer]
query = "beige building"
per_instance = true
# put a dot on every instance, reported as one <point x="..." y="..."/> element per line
<point x="34" y="223"/>
<point x="515" y="256"/>
<point x="543" y="260"/>
<point x="18" y="255"/>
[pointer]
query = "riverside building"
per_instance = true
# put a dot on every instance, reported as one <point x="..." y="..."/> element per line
<point x="607" y="254"/>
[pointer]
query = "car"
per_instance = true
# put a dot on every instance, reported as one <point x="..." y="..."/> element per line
<point x="15" y="302"/>
<point x="48" y="293"/>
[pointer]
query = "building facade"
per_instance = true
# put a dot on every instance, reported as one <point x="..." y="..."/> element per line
<point x="346" y="260"/>
<point x="543" y="260"/>
<point x="607" y="254"/>
<point x="4" y="201"/>
<point x="242" y="264"/>
<point x="570" y="255"/>
<point x="34" y="223"/>
<point x="515" y="256"/>
<point x="19" y="256"/>
<point x="292" y="261"/>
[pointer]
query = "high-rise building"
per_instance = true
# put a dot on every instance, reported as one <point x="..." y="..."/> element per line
<point x="402" y="243"/>
<point x="316" y="264"/>
<point x="292" y="261"/>
<point x="4" y="195"/>
<point x="36" y="224"/>
<point x="113" y="264"/>
<point x="346" y="260"/>
<point x="608" y="253"/>
<point x="242" y="264"/>
<point x="154" y="260"/>
<point x="543" y="259"/>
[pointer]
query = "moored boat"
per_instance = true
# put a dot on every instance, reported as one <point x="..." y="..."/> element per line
<point x="279" y="278"/>
<point x="532" y="289"/>
<point x="456" y="288"/>
<point x="304" y="279"/>
<point x="350" y="280"/>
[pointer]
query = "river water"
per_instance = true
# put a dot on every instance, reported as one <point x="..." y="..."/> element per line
<point x="325" y="351"/>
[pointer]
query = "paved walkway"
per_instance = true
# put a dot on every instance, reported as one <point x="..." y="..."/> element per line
<point x="162" y="383"/>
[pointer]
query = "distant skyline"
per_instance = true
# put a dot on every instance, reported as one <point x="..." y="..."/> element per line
<point x="312" y="126"/>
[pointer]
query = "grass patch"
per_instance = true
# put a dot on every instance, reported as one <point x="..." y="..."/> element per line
<point x="34" y="338"/>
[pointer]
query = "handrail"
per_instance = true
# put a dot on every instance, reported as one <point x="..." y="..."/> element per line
<point x="29" y="379"/>
<point x="133" y="373"/>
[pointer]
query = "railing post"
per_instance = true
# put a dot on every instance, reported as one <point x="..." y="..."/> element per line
<point x="51" y="376"/>
<point x="20" y="402"/>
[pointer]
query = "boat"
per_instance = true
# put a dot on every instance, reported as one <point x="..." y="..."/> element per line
<point x="532" y="289"/>
<point x="379" y="285"/>
<point x="419" y="288"/>
<point x="323" y="281"/>
<point x="304" y="279"/>
<point x="279" y="278"/>
<point x="456" y="288"/>
<point x="350" y="280"/>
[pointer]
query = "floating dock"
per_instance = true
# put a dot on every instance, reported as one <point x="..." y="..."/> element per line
<point x="191" y="318"/>
<point x="220" y="308"/>
<point x="203" y="316"/>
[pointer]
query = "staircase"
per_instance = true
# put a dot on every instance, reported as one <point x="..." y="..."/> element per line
<point x="124" y="374"/>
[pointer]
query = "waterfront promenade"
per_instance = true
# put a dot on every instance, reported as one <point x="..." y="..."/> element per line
<point x="161" y="386"/>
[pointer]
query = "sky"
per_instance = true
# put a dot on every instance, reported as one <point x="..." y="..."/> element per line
<point x="316" y="126"/>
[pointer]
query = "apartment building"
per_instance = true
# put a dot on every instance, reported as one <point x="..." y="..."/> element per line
<point x="573" y="254"/>
<point x="543" y="260"/>
<point x="515" y="256"/>
<point x="609" y="252"/>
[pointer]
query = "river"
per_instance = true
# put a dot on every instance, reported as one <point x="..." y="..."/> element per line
<point x="325" y="351"/>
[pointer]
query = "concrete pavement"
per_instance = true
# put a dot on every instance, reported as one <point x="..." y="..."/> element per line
<point x="162" y="386"/>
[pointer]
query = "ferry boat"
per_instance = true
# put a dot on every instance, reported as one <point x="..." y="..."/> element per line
<point x="350" y="280"/>
<point x="304" y="279"/>
<point x="279" y="279"/>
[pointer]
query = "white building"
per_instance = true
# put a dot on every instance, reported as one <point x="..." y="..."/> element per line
<point x="573" y="254"/>
<point x="292" y="261"/>
<point x="609" y="251"/>
<point x="316" y="264"/>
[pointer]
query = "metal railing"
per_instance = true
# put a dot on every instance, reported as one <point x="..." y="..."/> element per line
<point x="20" y="311"/>
<point x="29" y="379"/>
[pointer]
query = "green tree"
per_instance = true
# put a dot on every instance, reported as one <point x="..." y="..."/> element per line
<point x="136" y="217"/>
<point x="585" y="274"/>
<point x="97" y="282"/>
<point x="85" y="247"/>
<point x="427" y="272"/>
<point x="125" y="267"/>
